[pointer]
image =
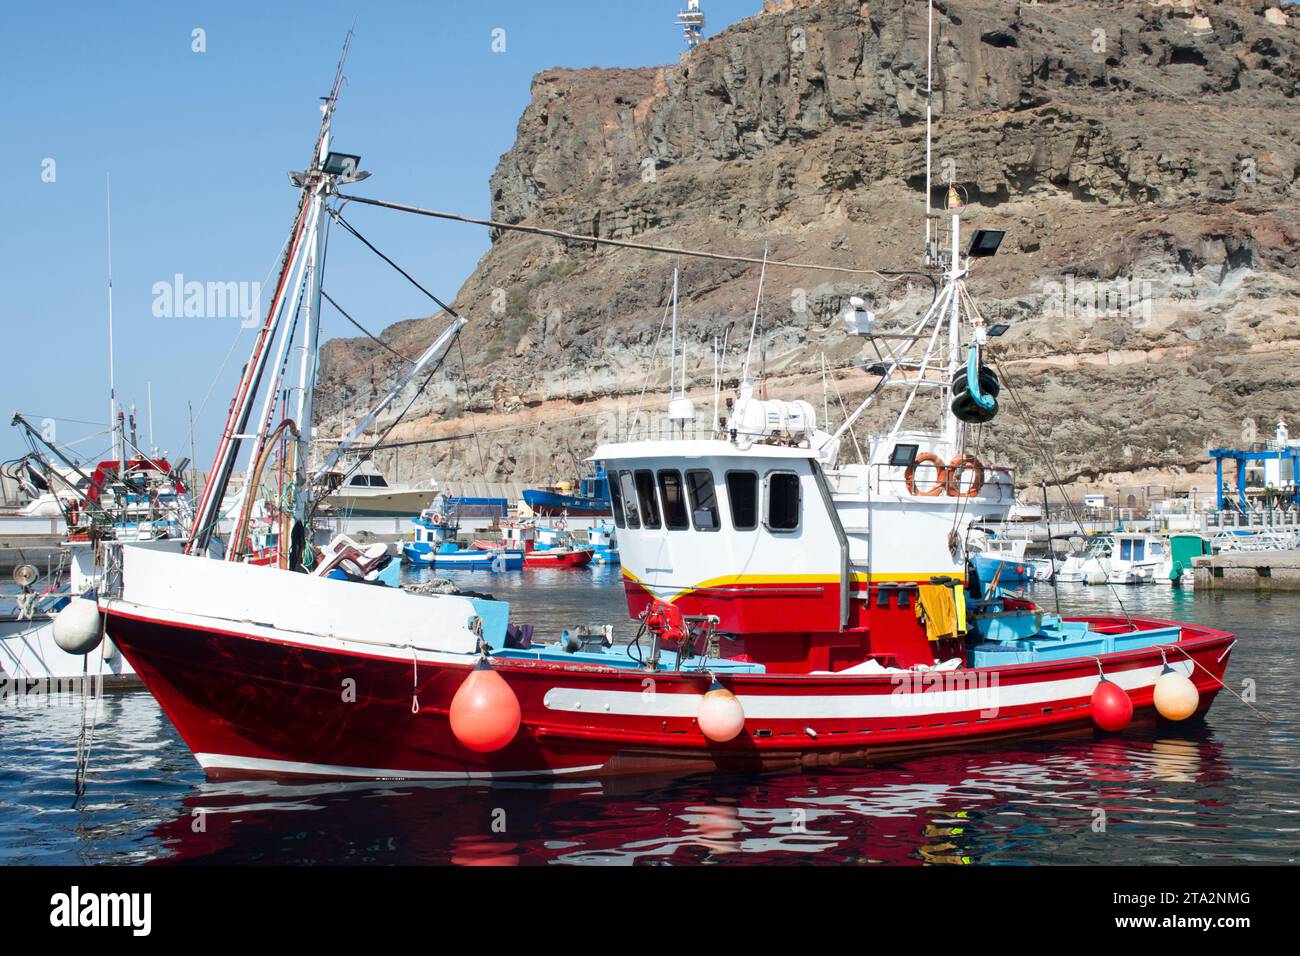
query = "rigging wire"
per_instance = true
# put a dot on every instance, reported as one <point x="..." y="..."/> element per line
<point x="464" y="377"/>
<point x="338" y="217"/>
<point x="368" y="334"/>
<point x="887" y="275"/>
<point x="1056" y="477"/>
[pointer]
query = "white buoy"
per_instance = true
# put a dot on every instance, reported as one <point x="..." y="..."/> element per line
<point x="721" y="718"/>
<point x="77" y="628"/>
<point x="1176" y="696"/>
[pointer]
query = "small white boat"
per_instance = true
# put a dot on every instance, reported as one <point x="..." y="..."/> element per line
<point x="1139" y="557"/>
<point x="1086" y="562"/>
<point x="364" y="491"/>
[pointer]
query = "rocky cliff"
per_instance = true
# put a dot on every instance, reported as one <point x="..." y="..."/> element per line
<point x="1142" y="158"/>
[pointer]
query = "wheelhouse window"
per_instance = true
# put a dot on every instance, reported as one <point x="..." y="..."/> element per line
<point x="673" y="497"/>
<point x="359" y="481"/>
<point x="616" y="500"/>
<point x="645" y="496"/>
<point x="377" y="481"/>
<point x="704" y="501"/>
<point x="627" y="488"/>
<point x="782" y="501"/>
<point x="742" y="491"/>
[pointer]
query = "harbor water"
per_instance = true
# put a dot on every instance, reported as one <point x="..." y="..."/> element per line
<point x="1225" y="790"/>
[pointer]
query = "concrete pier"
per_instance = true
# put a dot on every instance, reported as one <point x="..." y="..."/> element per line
<point x="1249" y="571"/>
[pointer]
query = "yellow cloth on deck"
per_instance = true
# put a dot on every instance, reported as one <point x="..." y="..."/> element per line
<point x="937" y="606"/>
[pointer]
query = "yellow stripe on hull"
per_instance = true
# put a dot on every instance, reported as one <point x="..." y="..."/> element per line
<point x="733" y="580"/>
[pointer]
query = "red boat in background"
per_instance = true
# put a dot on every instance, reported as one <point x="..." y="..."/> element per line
<point x="558" y="558"/>
<point x="543" y="546"/>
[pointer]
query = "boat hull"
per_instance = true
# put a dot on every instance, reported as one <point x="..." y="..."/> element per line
<point x="557" y="558"/>
<point x="1012" y="572"/>
<point x="552" y="504"/>
<point x="466" y="560"/>
<point x="382" y="504"/>
<point x="253" y="705"/>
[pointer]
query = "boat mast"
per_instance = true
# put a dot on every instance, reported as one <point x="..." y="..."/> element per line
<point x="316" y="183"/>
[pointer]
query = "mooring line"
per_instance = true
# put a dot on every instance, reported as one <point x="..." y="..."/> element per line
<point x="1258" y="713"/>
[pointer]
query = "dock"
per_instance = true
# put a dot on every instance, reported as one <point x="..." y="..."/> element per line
<point x="1249" y="571"/>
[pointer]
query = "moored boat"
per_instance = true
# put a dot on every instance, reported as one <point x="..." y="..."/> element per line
<point x="793" y="610"/>
<point x="433" y="544"/>
<point x="590" y="499"/>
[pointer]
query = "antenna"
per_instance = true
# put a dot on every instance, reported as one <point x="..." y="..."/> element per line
<point x="672" y="351"/>
<point x="929" y="95"/>
<point x="343" y="58"/>
<point x="112" y="386"/>
<point x="753" y="327"/>
<point x="691" y="21"/>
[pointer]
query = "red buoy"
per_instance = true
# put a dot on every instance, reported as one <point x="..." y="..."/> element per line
<point x="1112" y="708"/>
<point x="485" y="712"/>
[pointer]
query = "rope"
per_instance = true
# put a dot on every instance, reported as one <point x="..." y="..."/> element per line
<point x="1258" y="713"/>
<point x="86" y="743"/>
<point x="886" y="275"/>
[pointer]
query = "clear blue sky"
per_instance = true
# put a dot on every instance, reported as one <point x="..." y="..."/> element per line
<point x="198" y="145"/>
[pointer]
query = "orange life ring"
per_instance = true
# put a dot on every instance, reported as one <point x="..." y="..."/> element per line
<point x="941" y="475"/>
<point x="561" y="525"/>
<point x="435" y="518"/>
<point x="960" y="464"/>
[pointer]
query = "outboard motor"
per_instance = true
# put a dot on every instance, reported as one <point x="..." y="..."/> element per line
<point x="975" y="390"/>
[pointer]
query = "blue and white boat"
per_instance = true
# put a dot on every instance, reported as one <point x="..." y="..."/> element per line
<point x="1003" y="558"/>
<point x="434" y="545"/>
<point x="603" y="543"/>
<point x="590" y="500"/>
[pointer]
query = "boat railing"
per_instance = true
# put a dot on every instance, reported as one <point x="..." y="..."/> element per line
<point x="998" y="484"/>
<point x="1264" y="519"/>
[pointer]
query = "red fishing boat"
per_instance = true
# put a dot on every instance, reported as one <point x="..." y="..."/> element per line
<point x="792" y="610"/>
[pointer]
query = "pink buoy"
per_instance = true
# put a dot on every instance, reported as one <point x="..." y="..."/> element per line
<point x="485" y="713"/>
<point x="721" y="718"/>
<point x="1112" y="708"/>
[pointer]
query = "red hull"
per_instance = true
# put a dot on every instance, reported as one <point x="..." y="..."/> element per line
<point x="254" y="706"/>
<point x="557" y="558"/>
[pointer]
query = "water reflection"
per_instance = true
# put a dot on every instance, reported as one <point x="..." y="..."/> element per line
<point x="1033" y="804"/>
<point x="1223" y="790"/>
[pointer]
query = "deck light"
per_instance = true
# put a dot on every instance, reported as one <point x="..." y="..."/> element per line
<point x="346" y="166"/>
<point x="984" y="243"/>
<point x="904" y="456"/>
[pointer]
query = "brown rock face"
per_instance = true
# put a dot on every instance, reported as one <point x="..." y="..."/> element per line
<point x="1143" y="164"/>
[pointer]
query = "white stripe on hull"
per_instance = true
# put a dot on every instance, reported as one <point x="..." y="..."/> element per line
<point x="286" y="767"/>
<point x="895" y="703"/>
